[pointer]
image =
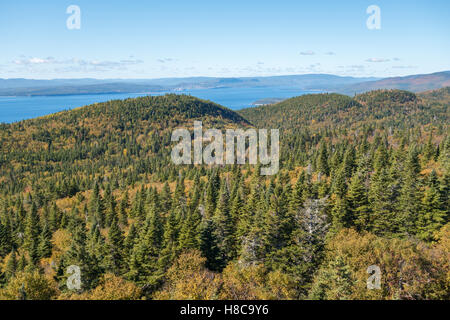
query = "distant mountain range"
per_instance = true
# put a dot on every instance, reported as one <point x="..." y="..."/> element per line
<point x="414" y="83"/>
<point x="311" y="82"/>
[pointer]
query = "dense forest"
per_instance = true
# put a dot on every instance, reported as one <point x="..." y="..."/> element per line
<point x="363" y="181"/>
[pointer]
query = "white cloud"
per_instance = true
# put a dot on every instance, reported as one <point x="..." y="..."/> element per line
<point x="33" y="64"/>
<point x="164" y="60"/>
<point x="34" y="60"/>
<point x="404" y="67"/>
<point x="377" y="60"/>
<point x="307" y="53"/>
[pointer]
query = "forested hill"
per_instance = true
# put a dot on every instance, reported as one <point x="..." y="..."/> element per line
<point x="391" y="107"/>
<point x="363" y="181"/>
<point x="98" y="139"/>
<point x="167" y="111"/>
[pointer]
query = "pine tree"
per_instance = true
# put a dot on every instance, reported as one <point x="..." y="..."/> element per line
<point x="166" y="196"/>
<point x="110" y="207"/>
<point x="32" y="231"/>
<point x="322" y="160"/>
<point x="409" y="199"/>
<point x="189" y="233"/>
<point x="335" y="282"/>
<point x="115" y="247"/>
<point x="22" y="264"/>
<point x="358" y="201"/>
<point x="11" y="265"/>
<point x="212" y="191"/>
<point x="45" y="243"/>
<point x="179" y="201"/>
<point x="381" y="202"/>
<point x="278" y="221"/>
<point x="433" y="215"/>
<point x="224" y="228"/>
<point x="237" y="207"/>
<point x="130" y="240"/>
<point x="123" y="207"/>
<point x="170" y="241"/>
<point x="429" y="150"/>
<point x="144" y="265"/>
<point x="341" y="214"/>
<point x="33" y="252"/>
<point x="78" y="255"/>
<point x="296" y="200"/>
<point x="209" y="247"/>
<point x="5" y="240"/>
<point x="97" y="206"/>
<point x="349" y="162"/>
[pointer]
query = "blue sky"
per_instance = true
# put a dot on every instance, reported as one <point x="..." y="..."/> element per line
<point x="179" y="38"/>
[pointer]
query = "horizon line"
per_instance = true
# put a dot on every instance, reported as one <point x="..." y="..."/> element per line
<point x="230" y="77"/>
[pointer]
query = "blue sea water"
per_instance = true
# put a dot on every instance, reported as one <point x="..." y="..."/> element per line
<point x="14" y="109"/>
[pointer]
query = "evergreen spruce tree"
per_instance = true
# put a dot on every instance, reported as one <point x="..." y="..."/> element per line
<point x="32" y="231"/>
<point x="97" y="206"/>
<point x="278" y="221"/>
<point x="433" y="215"/>
<point x="334" y="282"/>
<point x="78" y="255"/>
<point x="409" y="199"/>
<point x="115" y="248"/>
<point x="130" y="240"/>
<point x="322" y="160"/>
<point x="45" y="242"/>
<point x="358" y="200"/>
<point x="381" y="203"/>
<point x="189" y="233"/>
<point x="5" y="240"/>
<point x="224" y="227"/>
<point x="212" y="191"/>
<point x="11" y="266"/>
<point x="165" y="196"/>
<point x="123" y="207"/>
<point x="209" y="247"/>
<point x="170" y="242"/>
<point x="22" y="264"/>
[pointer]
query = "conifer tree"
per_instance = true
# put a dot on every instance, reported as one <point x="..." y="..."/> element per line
<point x="5" y="240"/>
<point x="45" y="243"/>
<point x="409" y="200"/>
<point x="54" y="218"/>
<point x="212" y="191"/>
<point x="223" y="223"/>
<point x="11" y="265"/>
<point x="130" y="240"/>
<point x="32" y="229"/>
<point x="381" y="202"/>
<point x="78" y="255"/>
<point x="209" y="247"/>
<point x="334" y="282"/>
<point x="189" y="232"/>
<point x="358" y="200"/>
<point x="296" y="200"/>
<point x="166" y="197"/>
<point x="115" y="247"/>
<point x="322" y="160"/>
<point x="278" y="221"/>
<point x="433" y="215"/>
<point x="22" y="264"/>
<point x="170" y="241"/>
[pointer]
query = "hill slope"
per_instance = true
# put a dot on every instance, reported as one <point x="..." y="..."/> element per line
<point x="362" y="181"/>
<point x="393" y="107"/>
<point x="414" y="83"/>
<point x="105" y="136"/>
